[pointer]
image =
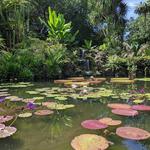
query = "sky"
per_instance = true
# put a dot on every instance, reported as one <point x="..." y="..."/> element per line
<point x="131" y="7"/>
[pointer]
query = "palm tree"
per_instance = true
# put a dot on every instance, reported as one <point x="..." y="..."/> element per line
<point x="144" y="8"/>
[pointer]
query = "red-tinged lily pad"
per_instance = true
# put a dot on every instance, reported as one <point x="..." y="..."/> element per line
<point x="93" y="124"/>
<point x="89" y="142"/>
<point x="43" y="112"/>
<point x="47" y="103"/>
<point x="141" y="107"/>
<point x="5" y="118"/>
<point x="119" y="106"/>
<point x="2" y="126"/>
<point x="132" y="133"/>
<point x="7" y="131"/>
<point x="125" y="112"/>
<point x="110" y="121"/>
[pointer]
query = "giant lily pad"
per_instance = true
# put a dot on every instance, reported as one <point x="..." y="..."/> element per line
<point x="125" y="112"/>
<point x="94" y="82"/>
<point x="5" y="118"/>
<point x="7" y="131"/>
<point x="43" y="112"/>
<point x="89" y="142"/>
<point x="62" y="81"/>
<point x="141" y="107"/>
<point x="121" y="80"/>
<point x="110" y="121"/>
<point x="93" y="124"/>
<point x="25" y="115"/>
<point x="119" y="106"/>
<point x="80" y="84"/>
<point x="77" y="79"/>
<point x="132" y="133"/>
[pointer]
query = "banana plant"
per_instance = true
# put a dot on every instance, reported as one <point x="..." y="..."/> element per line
<point x="58" y="29"/>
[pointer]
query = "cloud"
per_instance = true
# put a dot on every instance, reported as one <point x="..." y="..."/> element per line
<point x="132" y="4"/>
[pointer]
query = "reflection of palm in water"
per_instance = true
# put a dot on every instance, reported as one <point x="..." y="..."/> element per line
<point x="56" y="126"/>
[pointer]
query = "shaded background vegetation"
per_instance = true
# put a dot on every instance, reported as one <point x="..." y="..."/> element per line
<point x="78" y="37"/>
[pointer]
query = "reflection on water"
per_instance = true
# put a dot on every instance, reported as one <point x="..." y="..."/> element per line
<point x="56" y="131"/>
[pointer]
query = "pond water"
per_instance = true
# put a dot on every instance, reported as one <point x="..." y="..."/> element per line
<point x="55" y="132"/>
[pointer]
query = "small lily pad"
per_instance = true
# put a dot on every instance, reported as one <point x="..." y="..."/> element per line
<point x="61" y="98"/>
<point x="32" y="92"/>
<point x="43" y="112"/>
<point x="52" y="105"/>
<point x="38" y="98"/>
<point x="28" y="100"/>
<point x="132" y="133"/>
<point x="25" y="115"/>
<point x="138" y="101"/>
<point x="93" y="124"/>
<point x="89" y="142"/>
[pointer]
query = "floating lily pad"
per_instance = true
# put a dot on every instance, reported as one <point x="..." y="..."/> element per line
<point x="89" y="142"/>
<point x="61" y="98"/>
<point x="5" y="118"/>
<point x="25" y="115"/>
<point x="43" y="112"/>
<point x="110" y="121"/>
<point x="94" y="82"/>
<point x="93" y="124"/>
<point x="125" y="112"/>
<point x="142" y="79"/>
<point x="77" y="79"/>
<point x="38" y="98"/>
<point x="32" y="92"/>
<point x="121" y="80"/>
<point x="2" y="126"/>
<point x="119" y="106"/>
<point x="132" y="133"/>
<point x="3" y="90"/>
<point x="138" y="101"/>
<point x="80" y="84"/>
<point x="56" y="106"/>
<point x="62" y="81"/>
<point x="28" y="100"/>
<point x="16" y="99"/>
<point x="7" y="131"/>
<point x="141" y="107"/>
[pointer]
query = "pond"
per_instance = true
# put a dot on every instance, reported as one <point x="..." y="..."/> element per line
<point x="56" y="131"/>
